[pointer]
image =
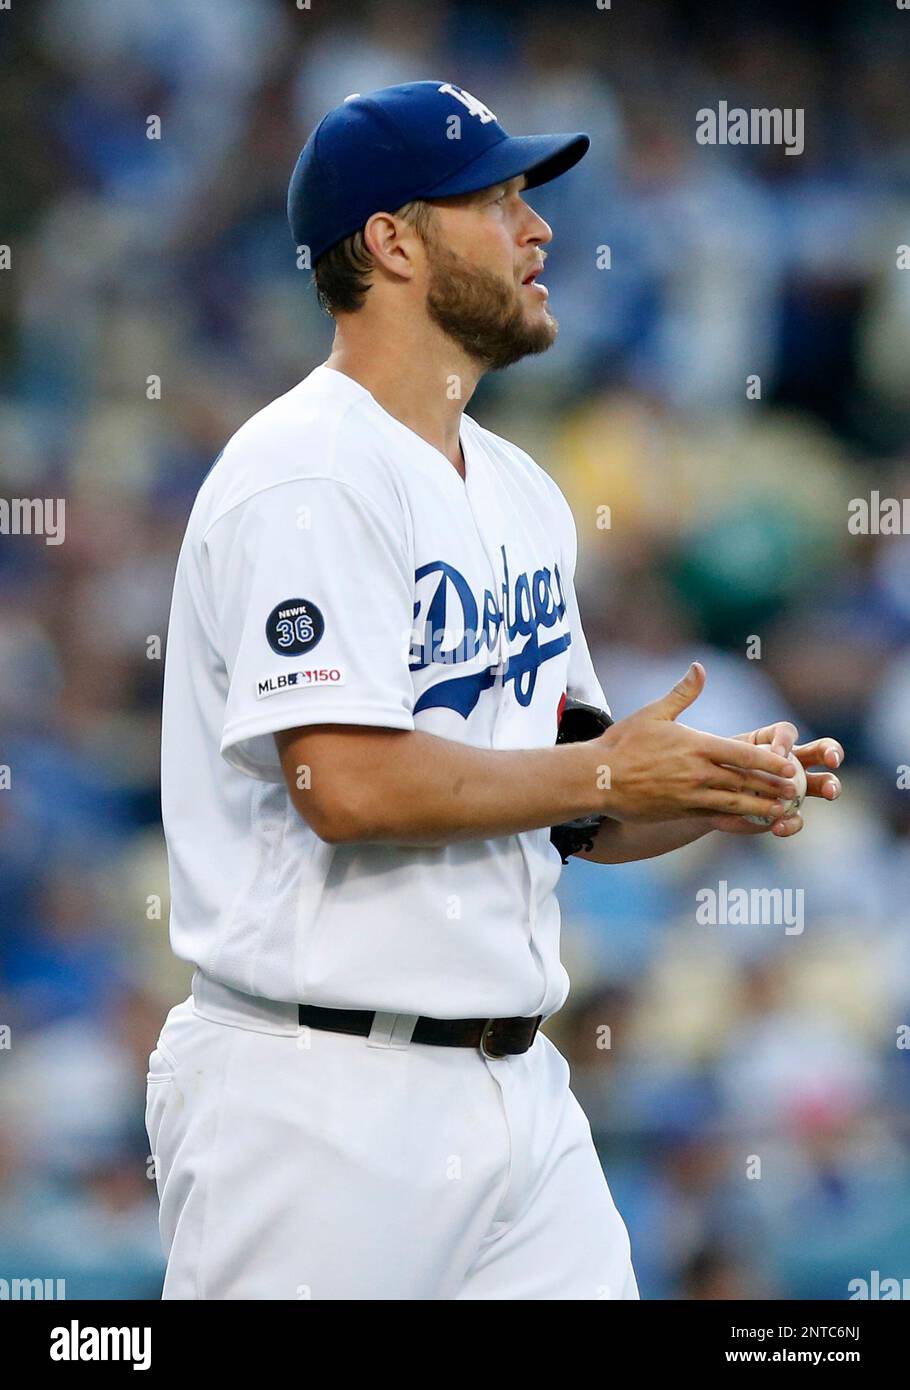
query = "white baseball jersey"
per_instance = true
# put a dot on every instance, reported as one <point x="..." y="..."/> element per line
<point x="337" y="569"/>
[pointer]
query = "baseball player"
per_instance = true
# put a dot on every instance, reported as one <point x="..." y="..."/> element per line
<point x="373" y="633"/>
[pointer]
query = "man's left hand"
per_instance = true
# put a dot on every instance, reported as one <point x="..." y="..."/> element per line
<point x="822" y="752"/>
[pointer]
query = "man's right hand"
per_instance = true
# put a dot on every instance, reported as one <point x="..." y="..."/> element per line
<point x="660" y="770"/>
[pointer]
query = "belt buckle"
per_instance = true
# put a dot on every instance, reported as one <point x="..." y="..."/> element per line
<point x="487" y="1029"/>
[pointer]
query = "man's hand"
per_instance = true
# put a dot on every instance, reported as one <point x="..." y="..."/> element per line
<point x="822" y="752"/>
<point x="661" y="770"/>
<point x="639" y="838"/>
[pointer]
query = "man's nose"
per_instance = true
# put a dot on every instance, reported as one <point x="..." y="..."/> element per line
<point x="536" y="232"/>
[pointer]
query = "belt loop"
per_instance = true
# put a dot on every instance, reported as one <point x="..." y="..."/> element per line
<point x="392" y="1030"/>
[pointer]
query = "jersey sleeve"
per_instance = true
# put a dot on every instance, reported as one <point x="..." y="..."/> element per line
<point x="582" y="679"/>
<point x="312" y="589"/>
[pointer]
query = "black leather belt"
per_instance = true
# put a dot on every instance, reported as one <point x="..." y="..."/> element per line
<point x="496" y="1037"/>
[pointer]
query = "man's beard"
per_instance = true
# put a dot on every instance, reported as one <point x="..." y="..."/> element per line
<point x="477" y="309"/>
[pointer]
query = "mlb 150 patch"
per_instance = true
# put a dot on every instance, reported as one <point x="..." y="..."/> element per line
<point x="294" y="627"/>
<point x="296" y="680"/>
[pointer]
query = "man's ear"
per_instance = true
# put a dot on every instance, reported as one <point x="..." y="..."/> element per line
<point x="390" y="241"/>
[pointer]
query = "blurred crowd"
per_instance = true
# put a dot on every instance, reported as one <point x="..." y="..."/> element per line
<point x="153" y="302"/>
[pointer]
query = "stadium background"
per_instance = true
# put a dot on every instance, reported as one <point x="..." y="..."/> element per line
<point x="134" y="257"/>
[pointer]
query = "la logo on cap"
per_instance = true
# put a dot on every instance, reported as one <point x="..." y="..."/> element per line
<point x="475" y="107"/>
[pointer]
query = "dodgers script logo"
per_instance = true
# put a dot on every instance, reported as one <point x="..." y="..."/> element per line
<point x="451" y="627"/>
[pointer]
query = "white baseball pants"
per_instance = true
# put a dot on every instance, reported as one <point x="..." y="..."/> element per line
<point x="294" y="1163"/>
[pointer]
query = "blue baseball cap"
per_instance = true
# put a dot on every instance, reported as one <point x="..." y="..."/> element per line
<point x="375" y="153"/>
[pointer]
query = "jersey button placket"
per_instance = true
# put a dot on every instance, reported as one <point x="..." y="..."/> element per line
<point x="482" y="503"/>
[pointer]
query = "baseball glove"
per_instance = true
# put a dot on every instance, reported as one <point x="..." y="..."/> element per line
<point x="577" y="723"/>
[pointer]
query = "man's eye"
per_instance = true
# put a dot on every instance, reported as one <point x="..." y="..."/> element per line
<point x="501" y="198"/>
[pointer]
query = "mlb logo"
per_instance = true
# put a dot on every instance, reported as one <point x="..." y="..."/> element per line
<point x="291" y="680"/>
<point x="270" y="685"/>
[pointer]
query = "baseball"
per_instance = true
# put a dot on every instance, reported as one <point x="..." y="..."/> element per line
<point x="799" y="777"/>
